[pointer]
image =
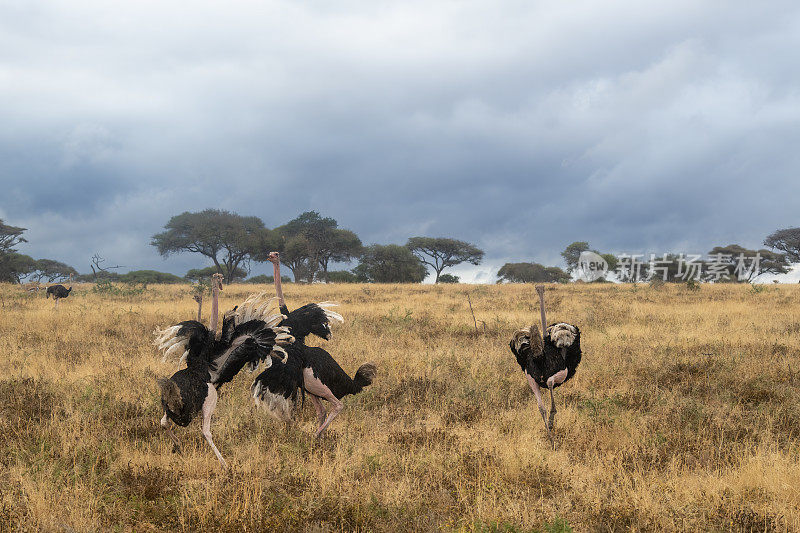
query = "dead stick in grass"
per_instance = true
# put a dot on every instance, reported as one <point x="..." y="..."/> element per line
<point x="473" y="314"/>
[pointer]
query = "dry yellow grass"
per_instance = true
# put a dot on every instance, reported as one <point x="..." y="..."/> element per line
<point x="684" y="415"/>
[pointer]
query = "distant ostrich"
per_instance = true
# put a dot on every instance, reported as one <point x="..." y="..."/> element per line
<point x="212" y="362"/>
<point x="308" y="369"/>
<point x="549" y="361"/>
<point x="58" y="292"/>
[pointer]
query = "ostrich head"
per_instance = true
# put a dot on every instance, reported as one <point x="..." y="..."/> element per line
<point x="528" y="340"/>
<point x="274" y="258"/>
<point x="562" y="334"/>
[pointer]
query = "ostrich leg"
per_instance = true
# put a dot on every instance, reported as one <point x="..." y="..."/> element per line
<point x="165" y="423"/>
<point x="209" y="405"/>
<point x="537" y="393"/>
<point x="321" y="413"/>
<point x="559" y="378"/>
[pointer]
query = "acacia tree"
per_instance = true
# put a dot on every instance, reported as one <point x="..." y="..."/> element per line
<point x="13" y="266"/>
<point x="52" y="270"/>
<point x="440" y="252"/>
<point x="389" y="264"/>
<point x="572" y="255"/>
<point x="228" y="239"/>
<point x="199" y="274"/>
<point x="342" y="247"/>
<point x="787" y="241"/>
<point x="736" y="263"/>
<point x="10" y="237"/>
<point x="310" y="242"/>
<point x="531" y="273"/>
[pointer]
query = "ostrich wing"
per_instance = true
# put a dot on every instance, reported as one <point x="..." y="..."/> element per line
<point x="275" y="389"/>
<point x="251" y="342"/>
<point x="186" y="338"/>
<point x="303" y="317"/>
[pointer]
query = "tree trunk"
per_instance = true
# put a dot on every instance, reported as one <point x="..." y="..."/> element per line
<point x="199" y="300"/>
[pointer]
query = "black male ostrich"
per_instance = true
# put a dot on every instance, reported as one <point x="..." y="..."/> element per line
<point x="547" y="362"/>
<point x="210" y="363"/>
<point x="308" y="369"/>
<point x="58" y="292"/>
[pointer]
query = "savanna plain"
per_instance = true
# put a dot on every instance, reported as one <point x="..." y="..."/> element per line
<point x="683" y="416"/>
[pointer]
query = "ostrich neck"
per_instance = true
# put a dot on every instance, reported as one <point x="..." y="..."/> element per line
<point x="544" y="318"/>
<point x="276" y="269"/>
<point x="214" y="305"/>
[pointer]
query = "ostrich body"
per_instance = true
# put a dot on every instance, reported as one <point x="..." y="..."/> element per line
<point x="58" y="292"/>
<point x="210" y="363"/>
<point x="547" y="362"/>
<point x="308" y="370"/>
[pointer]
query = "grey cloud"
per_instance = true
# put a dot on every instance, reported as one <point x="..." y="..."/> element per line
<point x="519" y="126"/>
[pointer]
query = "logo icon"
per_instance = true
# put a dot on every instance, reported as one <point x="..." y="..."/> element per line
<point x="591" y="266"/>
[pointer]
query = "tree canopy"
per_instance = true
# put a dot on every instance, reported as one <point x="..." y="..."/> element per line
<point x="441" y="252"/>
<point x="10" y="237"/>
<point x="228" y="239"/>
<point x="342" y="276"/>
<point x="13" y="266"/>
<point x="531" y="273"/>
<point x="787" y="241"/>
<point x="150" y="276"/>
<point x="263" y="279"/>
<point x="51" y="270"/>
<point x="310" y="242"/>
<point x="389" y="264"/>
<point x="736" y="263"/>
<point x="572" y="254"/>
<point x="197" y="274"/>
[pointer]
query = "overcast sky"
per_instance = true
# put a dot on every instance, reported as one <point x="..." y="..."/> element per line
<point x="520" y="126"/>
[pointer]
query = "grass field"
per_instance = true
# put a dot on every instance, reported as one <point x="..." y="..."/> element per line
<point x="683" y="415"/>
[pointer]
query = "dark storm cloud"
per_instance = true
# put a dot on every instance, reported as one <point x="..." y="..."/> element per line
<point x="518" y="126"/>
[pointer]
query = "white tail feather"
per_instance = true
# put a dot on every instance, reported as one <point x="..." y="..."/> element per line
<point x="175" y="348"/>
<point x="283" y="339"/>
<point x="256" y="307"/>
<point x="168" y="342"/>
<point x="279" y="352"/>
<point x="332" y="315"/>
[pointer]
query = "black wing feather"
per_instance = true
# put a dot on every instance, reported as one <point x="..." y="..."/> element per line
<point x="251" y="342"/>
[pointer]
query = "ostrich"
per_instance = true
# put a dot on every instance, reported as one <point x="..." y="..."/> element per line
<point x="212" y="362"/>
<point x="58" y="292"/>
<point x="549" y="361"/>
<point x="308" y="369"/>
